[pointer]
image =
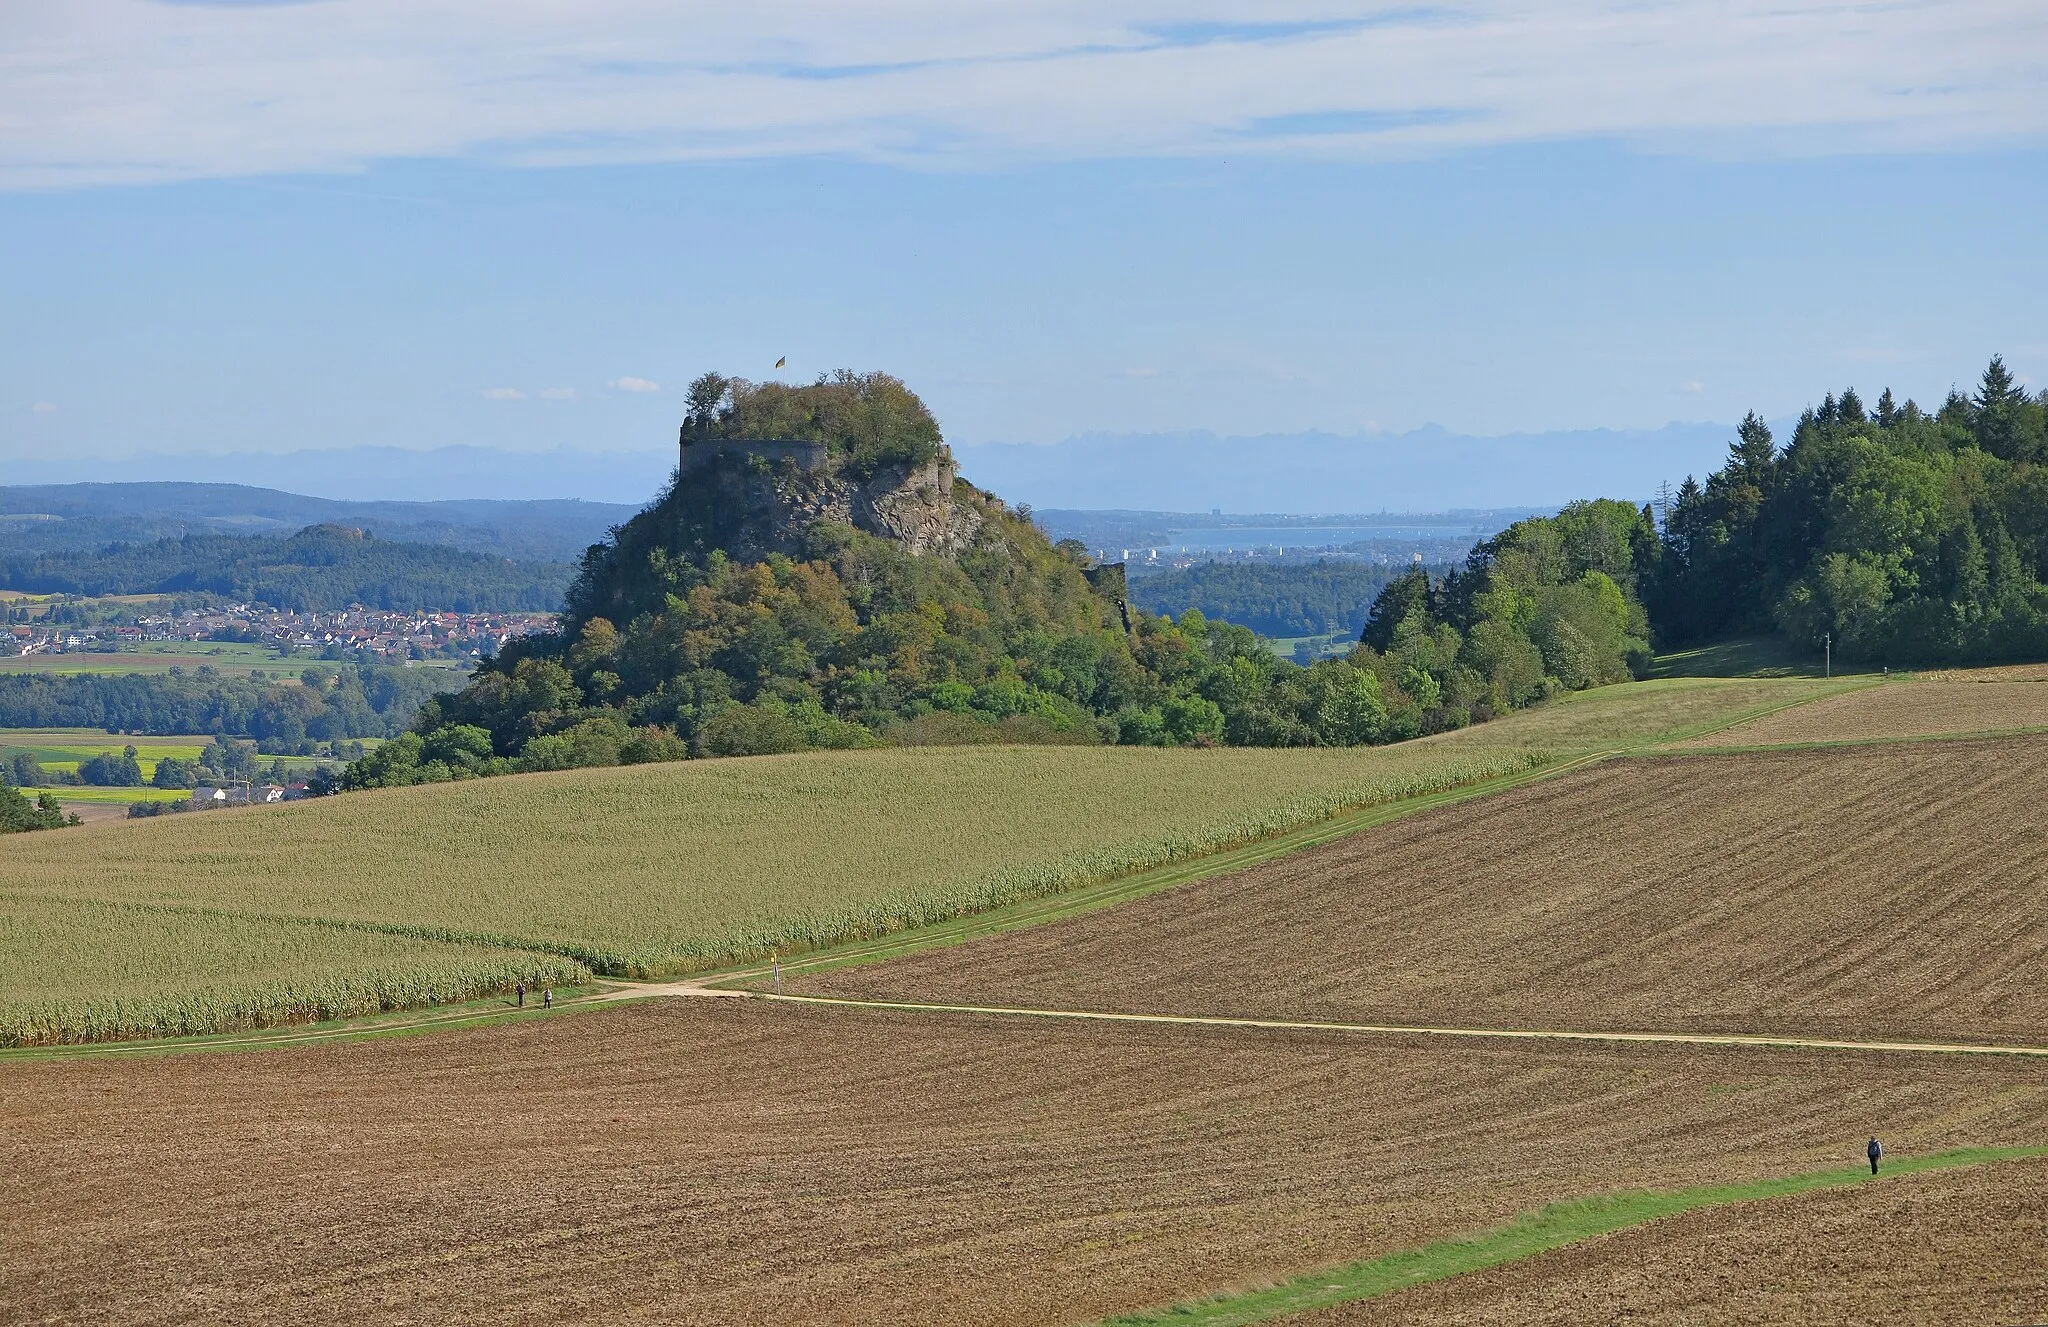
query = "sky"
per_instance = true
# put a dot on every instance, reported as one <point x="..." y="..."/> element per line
<point x="526" y="224"/>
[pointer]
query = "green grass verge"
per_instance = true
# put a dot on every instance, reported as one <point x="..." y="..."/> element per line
<point x="1537" y="1232"/>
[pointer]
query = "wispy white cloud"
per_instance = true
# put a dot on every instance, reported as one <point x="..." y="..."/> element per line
<point x="122" y="90"/>
<point x="44" y="408"/>
<point x="503" y="394"/>
<point x="558" y="393"/>
<point x="1692" y="387"/>
<point x="630" y="384"/>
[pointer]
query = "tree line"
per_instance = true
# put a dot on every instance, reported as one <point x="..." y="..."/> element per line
<point x="285" y="718"/>
<point x="1902" y="536"/>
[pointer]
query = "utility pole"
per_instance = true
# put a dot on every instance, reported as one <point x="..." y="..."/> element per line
<point x="1827" y="654"/>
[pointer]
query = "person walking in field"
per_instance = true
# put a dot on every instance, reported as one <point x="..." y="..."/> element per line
<point x="1874" y="1151"/>
<point x="520" y="991"/>
<point x="547" y="1001"/>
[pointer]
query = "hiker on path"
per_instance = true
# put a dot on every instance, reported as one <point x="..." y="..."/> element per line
<point x="547" y="1001"/>
<point x="520" y="989"/>
<point x="1874" y="1151"/>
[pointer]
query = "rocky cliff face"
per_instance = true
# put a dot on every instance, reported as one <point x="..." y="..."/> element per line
<point x="760" y="505"/>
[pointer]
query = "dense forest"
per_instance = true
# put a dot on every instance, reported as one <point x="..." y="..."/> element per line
<point x="284" y="718"/>
<point x="1903" y="536"/>
<point x="669" y="647"/>
<point x="1273" y="599"/>
<point x="319" y="569"/>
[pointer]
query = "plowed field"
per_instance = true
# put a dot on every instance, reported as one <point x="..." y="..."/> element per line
<point x="735" y="1162"/>
<point x="1897" y="709"/>
<point x="1951" y="1247"/>
<point x="1888" y="891"/>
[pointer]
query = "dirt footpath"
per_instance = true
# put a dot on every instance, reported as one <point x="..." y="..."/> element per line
<point x="1963" y="1247"/>
<point x="1884" y="893"/>
<point x="728" y="1161"/>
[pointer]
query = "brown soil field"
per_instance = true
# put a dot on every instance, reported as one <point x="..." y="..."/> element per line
<point x="1963" y="1247"/>
<point x="1881" y="892"/>
<point x="1897" y="709"/>
<point x="2028" y="672"/>
<point x="727" y="1161"/>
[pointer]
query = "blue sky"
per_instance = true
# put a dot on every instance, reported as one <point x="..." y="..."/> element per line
<point x="242" y="226"/>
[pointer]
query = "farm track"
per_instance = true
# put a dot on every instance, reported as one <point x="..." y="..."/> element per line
<point x="1402" y="1030"/>
<point x="748" y="1161"/>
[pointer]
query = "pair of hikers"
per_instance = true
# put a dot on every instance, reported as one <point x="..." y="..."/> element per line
<point x="547" y="996"/>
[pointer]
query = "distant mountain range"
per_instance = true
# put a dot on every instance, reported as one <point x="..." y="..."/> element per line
<point x="1428" y="469"/>
<point x="368" y="473"/>
<point x="76" y="517"/>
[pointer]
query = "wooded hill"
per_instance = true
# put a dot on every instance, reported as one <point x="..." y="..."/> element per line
<point x="1905" y="536"/>
<point x="763" y="604"/>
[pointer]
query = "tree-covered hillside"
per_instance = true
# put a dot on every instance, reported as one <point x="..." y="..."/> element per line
<point x="1549" y="604"/>
<point x="1905" y="536"/>
<point x="886" y="610"/>
<point x="321" y="568"/>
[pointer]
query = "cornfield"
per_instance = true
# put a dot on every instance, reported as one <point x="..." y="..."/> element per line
<point x="77" y="970"/>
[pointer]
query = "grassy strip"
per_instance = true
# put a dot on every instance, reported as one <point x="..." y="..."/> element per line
<point x="1537" y="1232"/>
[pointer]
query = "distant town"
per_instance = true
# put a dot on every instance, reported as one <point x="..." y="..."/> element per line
<point x="354" y="633"/>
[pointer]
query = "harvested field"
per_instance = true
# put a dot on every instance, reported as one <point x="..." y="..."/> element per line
<point x="1637" y="713"/>
<point x="1959" y="1247"/>
<point x="1897" y="709"/>
<point x="1882" y="892"/>
<point x="738" y="1162"/>
<point x="2028" y="672"/>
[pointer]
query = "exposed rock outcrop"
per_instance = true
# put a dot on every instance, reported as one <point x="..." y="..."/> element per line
<point x="763" y="498"/>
